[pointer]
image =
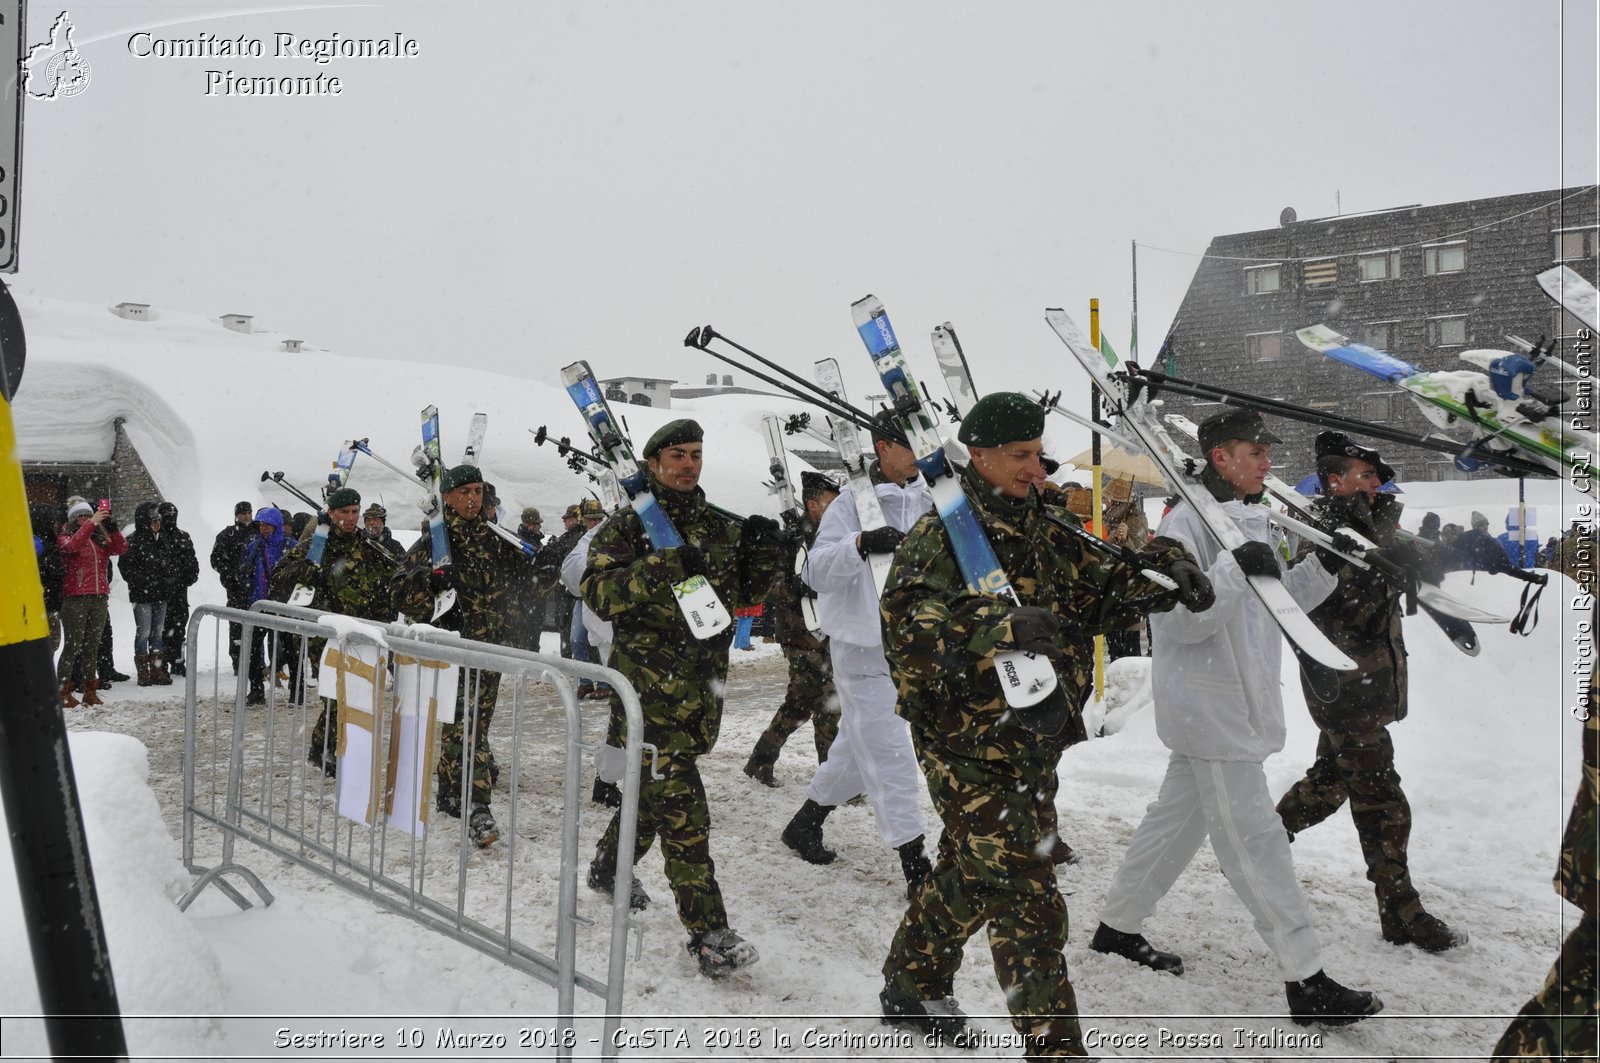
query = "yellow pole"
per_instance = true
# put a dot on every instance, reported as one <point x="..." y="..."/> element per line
<point x="55" y="881"/>
<point x="1096" y="522"/>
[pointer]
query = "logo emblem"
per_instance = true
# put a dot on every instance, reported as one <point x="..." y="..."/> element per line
<point x="55" y="68"/>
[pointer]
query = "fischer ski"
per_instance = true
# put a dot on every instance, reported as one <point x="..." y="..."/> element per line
<point x="433" y="506"/>
<point x="697" y="598"/>
<point x="1025" y="679"/>
<point x="472" y="453"/>
<point x="341" y="468"/>
<point x="1510" y="418"/>
<point x="1316" y="653"/>
<point x="793" y="509"/>
<point x="869" y="511"/>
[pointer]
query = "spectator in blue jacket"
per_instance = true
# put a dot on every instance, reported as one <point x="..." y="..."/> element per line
<point x="261" y="556"/>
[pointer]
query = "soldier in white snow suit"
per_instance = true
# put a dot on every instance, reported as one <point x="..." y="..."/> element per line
<point x="873" y="753"/>
<point x="1215" y="677"/>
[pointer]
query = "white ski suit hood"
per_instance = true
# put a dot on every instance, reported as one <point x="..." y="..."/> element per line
<point x="847" y="600"/>
<point x="1216" y="675"/>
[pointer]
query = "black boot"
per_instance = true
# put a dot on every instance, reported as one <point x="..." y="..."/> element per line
<point x="759" y="767"/>
<point x="914" y="865"/>
<point x="606" y="793"/>
<point x="1321" y="999"/>
<point x="804" y="833"/>
<point x="1134" y="947"/>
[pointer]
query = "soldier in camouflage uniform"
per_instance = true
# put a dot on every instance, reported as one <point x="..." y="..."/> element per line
<point x="353" y="580"/>
<point x="1355" y="756"/>
<point x="810" y="695"/>
<point x="679" y="678"/>
<point x="982" y="761"/>
<point x="485" y="572"/>
<point x="1559" y="1022"/>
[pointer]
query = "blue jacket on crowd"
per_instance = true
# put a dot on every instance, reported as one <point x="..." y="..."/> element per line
<point x="261" y="555"/>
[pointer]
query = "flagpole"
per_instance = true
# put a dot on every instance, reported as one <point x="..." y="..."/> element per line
<point x="1097" y="523"/>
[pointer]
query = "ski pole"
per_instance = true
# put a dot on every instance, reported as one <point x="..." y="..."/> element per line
<point x="277" y="478"/>
<point x="361" y="445"/>
<point x="565" y="448"/>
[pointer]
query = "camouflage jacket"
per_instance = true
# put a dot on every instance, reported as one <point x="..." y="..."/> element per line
<point x="1363" y="618"/>
<point x="679" y="677"/>
<point x="783" y="603"/>
<point x="353" y="579"/>
<point x="940" y="636"/>
<point x="492" y="573"/>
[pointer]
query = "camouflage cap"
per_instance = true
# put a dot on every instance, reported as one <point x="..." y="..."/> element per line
<point x="459" y="476"/>
<point x="591" y="509"/>
<point x="672" y="434"/>
<point x="341" y="497"/>
<point x="1002" y="417"/>
<point x="531" y="516"/>
<point x="571" y="512"/>
<point x="1234" y="424"/>
<point x="813" y="484"/>
<point x="375" y="510"/>
<point x="1339" y="445"/>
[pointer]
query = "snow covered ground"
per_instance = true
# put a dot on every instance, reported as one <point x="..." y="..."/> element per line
<point x="1489" y="756"/>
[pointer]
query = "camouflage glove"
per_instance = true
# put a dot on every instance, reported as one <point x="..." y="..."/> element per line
<point x="443" y="579"/>
<point x="759" y="530"/>
<point x="1033" y="630"/>
<point x="882" y="540"/>
<point x="1194" y="589"/>
<point x="690" y="559"/>
<point x="1257" y="559"/>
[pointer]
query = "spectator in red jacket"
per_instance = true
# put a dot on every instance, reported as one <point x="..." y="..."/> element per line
<point x="87" y="545"/>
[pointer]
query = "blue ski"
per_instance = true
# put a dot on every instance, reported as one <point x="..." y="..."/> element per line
<point x="433" y="506"/>
<point x="697" y="598"/>
<point x="1025" y="679"/>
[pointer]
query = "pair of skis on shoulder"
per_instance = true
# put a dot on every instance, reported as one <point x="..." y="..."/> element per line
<point x="794" y="510"/>
<point x="304" y="593"/>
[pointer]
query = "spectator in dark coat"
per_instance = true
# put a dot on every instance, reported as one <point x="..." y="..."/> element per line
<point x="52" y="573"/>
<point x="183" y="566"/>
<point x="261" y="556"/>
<point x="376" y="522"/>
<point x="1477" y="550"/>
<point x="145" y="568"/>
<point x="226" y="552"/>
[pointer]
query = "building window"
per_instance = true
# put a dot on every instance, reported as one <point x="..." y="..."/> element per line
<point x="649" y="385"/>
<point x="1382" y="266"/>
<point x="1263" y="280"/>
<point x="1447" y="331"/>
<point x="1378" y="406"/>
<point x="1384" y="335"/>
<point x="1444" y="258"/>
<point x="1573" y="244"/>
<point x="1264" y="346"/>
<point x="1323" y="271"/>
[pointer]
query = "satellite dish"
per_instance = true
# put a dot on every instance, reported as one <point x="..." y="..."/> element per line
<point x="1287" y="216"/>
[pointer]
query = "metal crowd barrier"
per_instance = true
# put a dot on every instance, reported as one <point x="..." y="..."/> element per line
<point x="248" y="774"/>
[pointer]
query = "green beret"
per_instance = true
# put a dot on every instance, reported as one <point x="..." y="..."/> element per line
<point x="459" y="476"/>
<point x="1000" y="418"/>
<point x="672" y="434"/>
<point x="343" y="496"/>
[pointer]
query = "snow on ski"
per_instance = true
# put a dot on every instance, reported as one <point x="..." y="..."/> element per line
<point x="1451" y="397"/>
<point x="1025" y="679"/>
<point x="697" y="598"/>
<point x="869" y="512"/>
<point x="1574" y="293"/>
<point x="472" y="453"/>
<point x="1138" y="419"/>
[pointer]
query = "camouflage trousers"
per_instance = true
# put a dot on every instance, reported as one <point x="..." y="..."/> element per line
<point x="810" y="697"/>
<point x="478" y="690"/>
<point x="1359" y="768"/>
<point x="990" y="872"/>
<point x="1559" y="1022"/>
<point x="674" y="809"/>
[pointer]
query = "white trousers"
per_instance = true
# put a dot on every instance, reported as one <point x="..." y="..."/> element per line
<point x="873" y="753"/>
<point x="1227" y="800"/>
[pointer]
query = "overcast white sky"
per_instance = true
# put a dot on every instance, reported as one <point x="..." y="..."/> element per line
<point x="552" y="180"/>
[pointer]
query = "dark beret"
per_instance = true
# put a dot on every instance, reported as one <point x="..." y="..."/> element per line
<point x="459" y="476"/>
<point x="1000" y="418"/>
<point x="343" y="496"/>
<point x="672" y="434"/>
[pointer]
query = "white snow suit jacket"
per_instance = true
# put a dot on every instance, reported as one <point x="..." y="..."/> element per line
<point x="572" y="567"/>
<point x="847" y="601"/>
<point x="1216" y="675"/>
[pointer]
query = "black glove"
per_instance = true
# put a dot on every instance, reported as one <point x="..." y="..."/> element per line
<point x="802" y="589"/>
<point x="759" y="529"/>
<point x="323" y="518"/>
<point x="691" y="559"/>
<point x="1408" y="558"/>
<point x="1194" y="589"/>
<point x="1257" y="559"/>
<point x="1034" y="629"/>
<point x="444" y="579"/>
<point x="882" y="540"/>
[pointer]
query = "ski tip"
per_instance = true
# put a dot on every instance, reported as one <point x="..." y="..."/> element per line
<point x="1321" y="338"/>
<point x="693" y="339"/>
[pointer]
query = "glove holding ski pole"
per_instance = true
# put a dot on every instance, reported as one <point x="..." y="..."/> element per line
<point x="1194" y="588"/>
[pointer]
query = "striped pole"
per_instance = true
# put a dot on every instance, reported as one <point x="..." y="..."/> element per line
<point x="40" y="796"/>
